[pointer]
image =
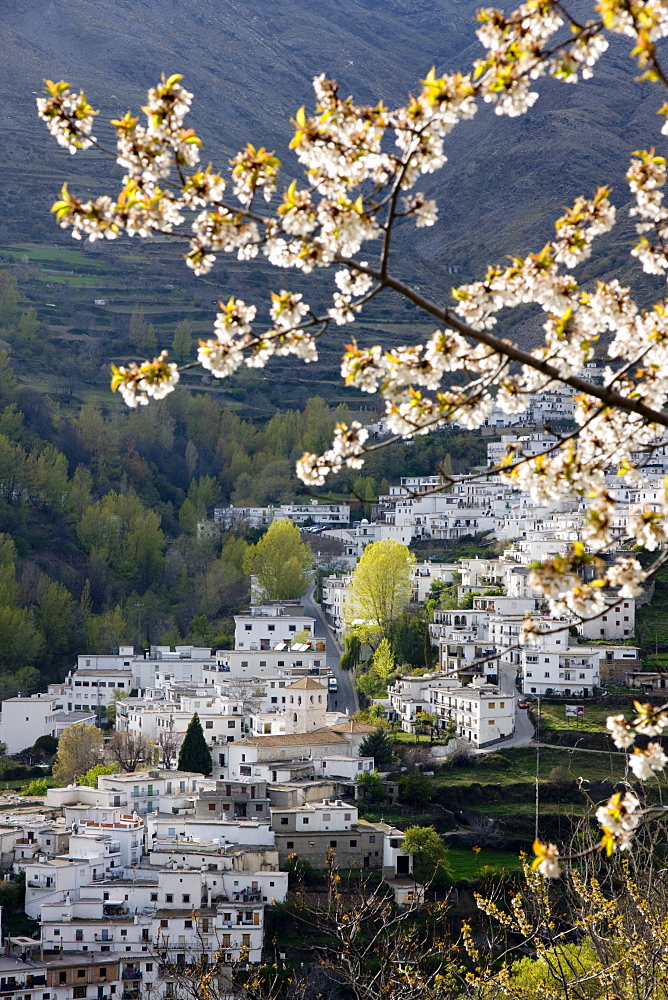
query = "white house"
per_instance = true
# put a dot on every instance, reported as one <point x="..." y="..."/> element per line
<point x="266" y="625"/>
<point x="551" y="666"/>
<point x="481" y="712"/>
<point x="25" y="719"/>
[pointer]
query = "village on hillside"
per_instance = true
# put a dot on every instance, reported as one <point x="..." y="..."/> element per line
<point x="154" y="865"/>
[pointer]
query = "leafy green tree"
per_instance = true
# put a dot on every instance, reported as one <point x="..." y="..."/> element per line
<point x="46" y="746"/>
<point x="282" y="563"/>
<point x="411" y="641"/>
<point x="379" y="746"/>
<point x="9" y="297"/>
<point x="93" y="773"/>
<point x="370" y="685"/>
<point x="8" y="587"/>
<point x="54" y="616"/>
<point x="80" y="748"/>
<point x="126" y="537"/>
<point x="20" y="639"/>
<point x="39" y="786"/>
<point x="138" y="328"/>
<point x="204" y="493"/>
<point x="415" y="788"/>
<point x="424" y="722"/>
<point x="379" y="591"/>
<point x="105" y="632"/>
<point x="370" y="785"/>
<point x="79" y="491"/>
<point x="194" y="754"/>
<point x="299" y="869"/>
<point x="188" y="516"/>
<point x="183" y="340"/>
<point x="546" y="974"/>
<point x="150" y="344"/>
<point x="383" y="659"/>
<point x="430" y="855"/>
<point x="351" y="655"/>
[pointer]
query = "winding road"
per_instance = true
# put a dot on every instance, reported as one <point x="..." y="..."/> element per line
<point x="345" y="699"/>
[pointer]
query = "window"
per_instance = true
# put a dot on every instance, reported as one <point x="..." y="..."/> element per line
<point x="212" y="806"/>
<point x="245" y="940"/>
<point x="292" y="628"/>
<point x="231" y="724"/>
<point x="284" y="820"/>
<point x="326" y="817"/>
<point x="353" y="843"/>
<point x="490" y="722"/>
<point x="209" y="725"/>
<point x="332" y="843"/>
<point x="290" y="843"/>
<point x="186" y="897"/>
<point x="164" y="923"/>
<point x="187" y="924"/>
<point x="149" y="966"/>
<point x="78" y="935"/>
<point x="57" y="930"/>
<point x="502" y="704"/>
<point x="346" y="817"/>
<point x="492" y="704"/>
<point x="62" y="977"/>
<point x="372" y="839"/>
<point x="271" y="628"/>
<point x="169" y="898"/>
<point x="305" y="820"/>
<point x="103" y="973"/>
<point x="248" y="628"/>
<point x="78" y="991"/>
<point x="81" y="973"/>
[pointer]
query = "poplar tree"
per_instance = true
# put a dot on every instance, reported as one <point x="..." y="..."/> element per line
<point x="379" y="591"/>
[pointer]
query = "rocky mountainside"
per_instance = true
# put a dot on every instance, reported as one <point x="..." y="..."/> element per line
<point x="251" y="64"/>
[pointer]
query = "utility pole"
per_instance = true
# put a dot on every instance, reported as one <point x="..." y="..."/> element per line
<point x="537" y="763"/>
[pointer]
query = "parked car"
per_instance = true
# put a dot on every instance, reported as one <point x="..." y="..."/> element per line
<point x="522" y="703"/>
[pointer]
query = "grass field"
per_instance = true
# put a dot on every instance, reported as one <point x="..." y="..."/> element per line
<point x="553" y="716"/>
<point x="471" y="864"/>
<point x="59" y="254"/>
<point x="518" y="764"/>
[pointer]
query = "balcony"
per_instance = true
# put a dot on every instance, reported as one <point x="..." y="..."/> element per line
<point x="131" y="975"/>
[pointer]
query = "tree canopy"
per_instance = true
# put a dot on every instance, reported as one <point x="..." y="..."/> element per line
<point x="80" y="748"/>
<point x="281" y="562"/>
<point x="430" y="855"/>
<point x="380" y="589"/>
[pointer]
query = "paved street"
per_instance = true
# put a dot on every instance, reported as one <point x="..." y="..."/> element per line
<point x="345" y="698"/>
<point x="524" y="731"/>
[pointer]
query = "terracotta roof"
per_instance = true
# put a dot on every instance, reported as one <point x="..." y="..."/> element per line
<point x="294" y="739"/>
<point x="353" y="727"/>
<point x="306" y="684"/>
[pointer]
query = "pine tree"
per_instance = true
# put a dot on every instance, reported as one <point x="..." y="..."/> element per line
<point x="194" y="754"/>
<point x="378" y="746"/>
